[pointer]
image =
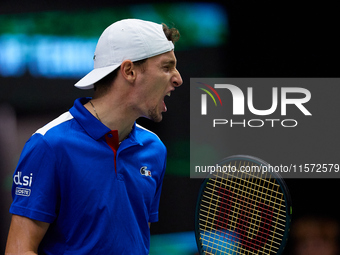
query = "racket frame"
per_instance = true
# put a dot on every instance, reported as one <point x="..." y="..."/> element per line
<point x="279" y="179"/>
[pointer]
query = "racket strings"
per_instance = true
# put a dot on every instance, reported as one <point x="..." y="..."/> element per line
<point x="252" y="225"/>
<point x="251" y="177"/>
<point x="273" y="201"/>
<point x="248" y="205"/>
<point x="276" y="240"/>
<point x="216" y="213"/>
<point x="242" y="213"/>
<point x="224" y="237"/>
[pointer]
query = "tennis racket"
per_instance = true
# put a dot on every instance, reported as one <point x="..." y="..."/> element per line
<point x="242" y="208"/>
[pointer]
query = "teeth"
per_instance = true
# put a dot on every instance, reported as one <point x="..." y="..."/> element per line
<point x="169" y="94"/>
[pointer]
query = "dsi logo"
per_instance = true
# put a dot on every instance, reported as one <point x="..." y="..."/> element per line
<point x="24" y="181"/>
<point x="22" y="192"/>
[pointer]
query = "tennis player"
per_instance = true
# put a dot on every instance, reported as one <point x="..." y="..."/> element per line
<point x="89" y="182"/>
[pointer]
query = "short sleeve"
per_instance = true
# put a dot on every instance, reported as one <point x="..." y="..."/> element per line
<point x="35" y="182"/>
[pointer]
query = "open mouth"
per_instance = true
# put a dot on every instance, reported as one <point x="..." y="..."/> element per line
<point x="164" y="105"/>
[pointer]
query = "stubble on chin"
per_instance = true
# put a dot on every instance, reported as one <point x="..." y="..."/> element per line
<point x="154" y="115"/>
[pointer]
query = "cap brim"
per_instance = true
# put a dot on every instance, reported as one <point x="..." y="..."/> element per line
<point x="95" y="75"/>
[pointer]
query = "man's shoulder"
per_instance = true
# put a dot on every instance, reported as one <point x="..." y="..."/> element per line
<point x="145" y="131"/>
<point x="56" y="123"/>
<point x="145" y="135"/>
<point x="53" y="133"/>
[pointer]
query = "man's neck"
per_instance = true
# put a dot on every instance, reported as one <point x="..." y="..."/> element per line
<point x="112" y="114"/>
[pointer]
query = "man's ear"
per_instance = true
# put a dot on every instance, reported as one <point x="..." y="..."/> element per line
<point x="128" y="71"/>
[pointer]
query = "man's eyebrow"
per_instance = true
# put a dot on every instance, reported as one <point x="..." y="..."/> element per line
<point x="169" y="62"/>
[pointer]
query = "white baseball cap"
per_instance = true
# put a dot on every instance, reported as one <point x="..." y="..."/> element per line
<point x="131" y="39"/>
